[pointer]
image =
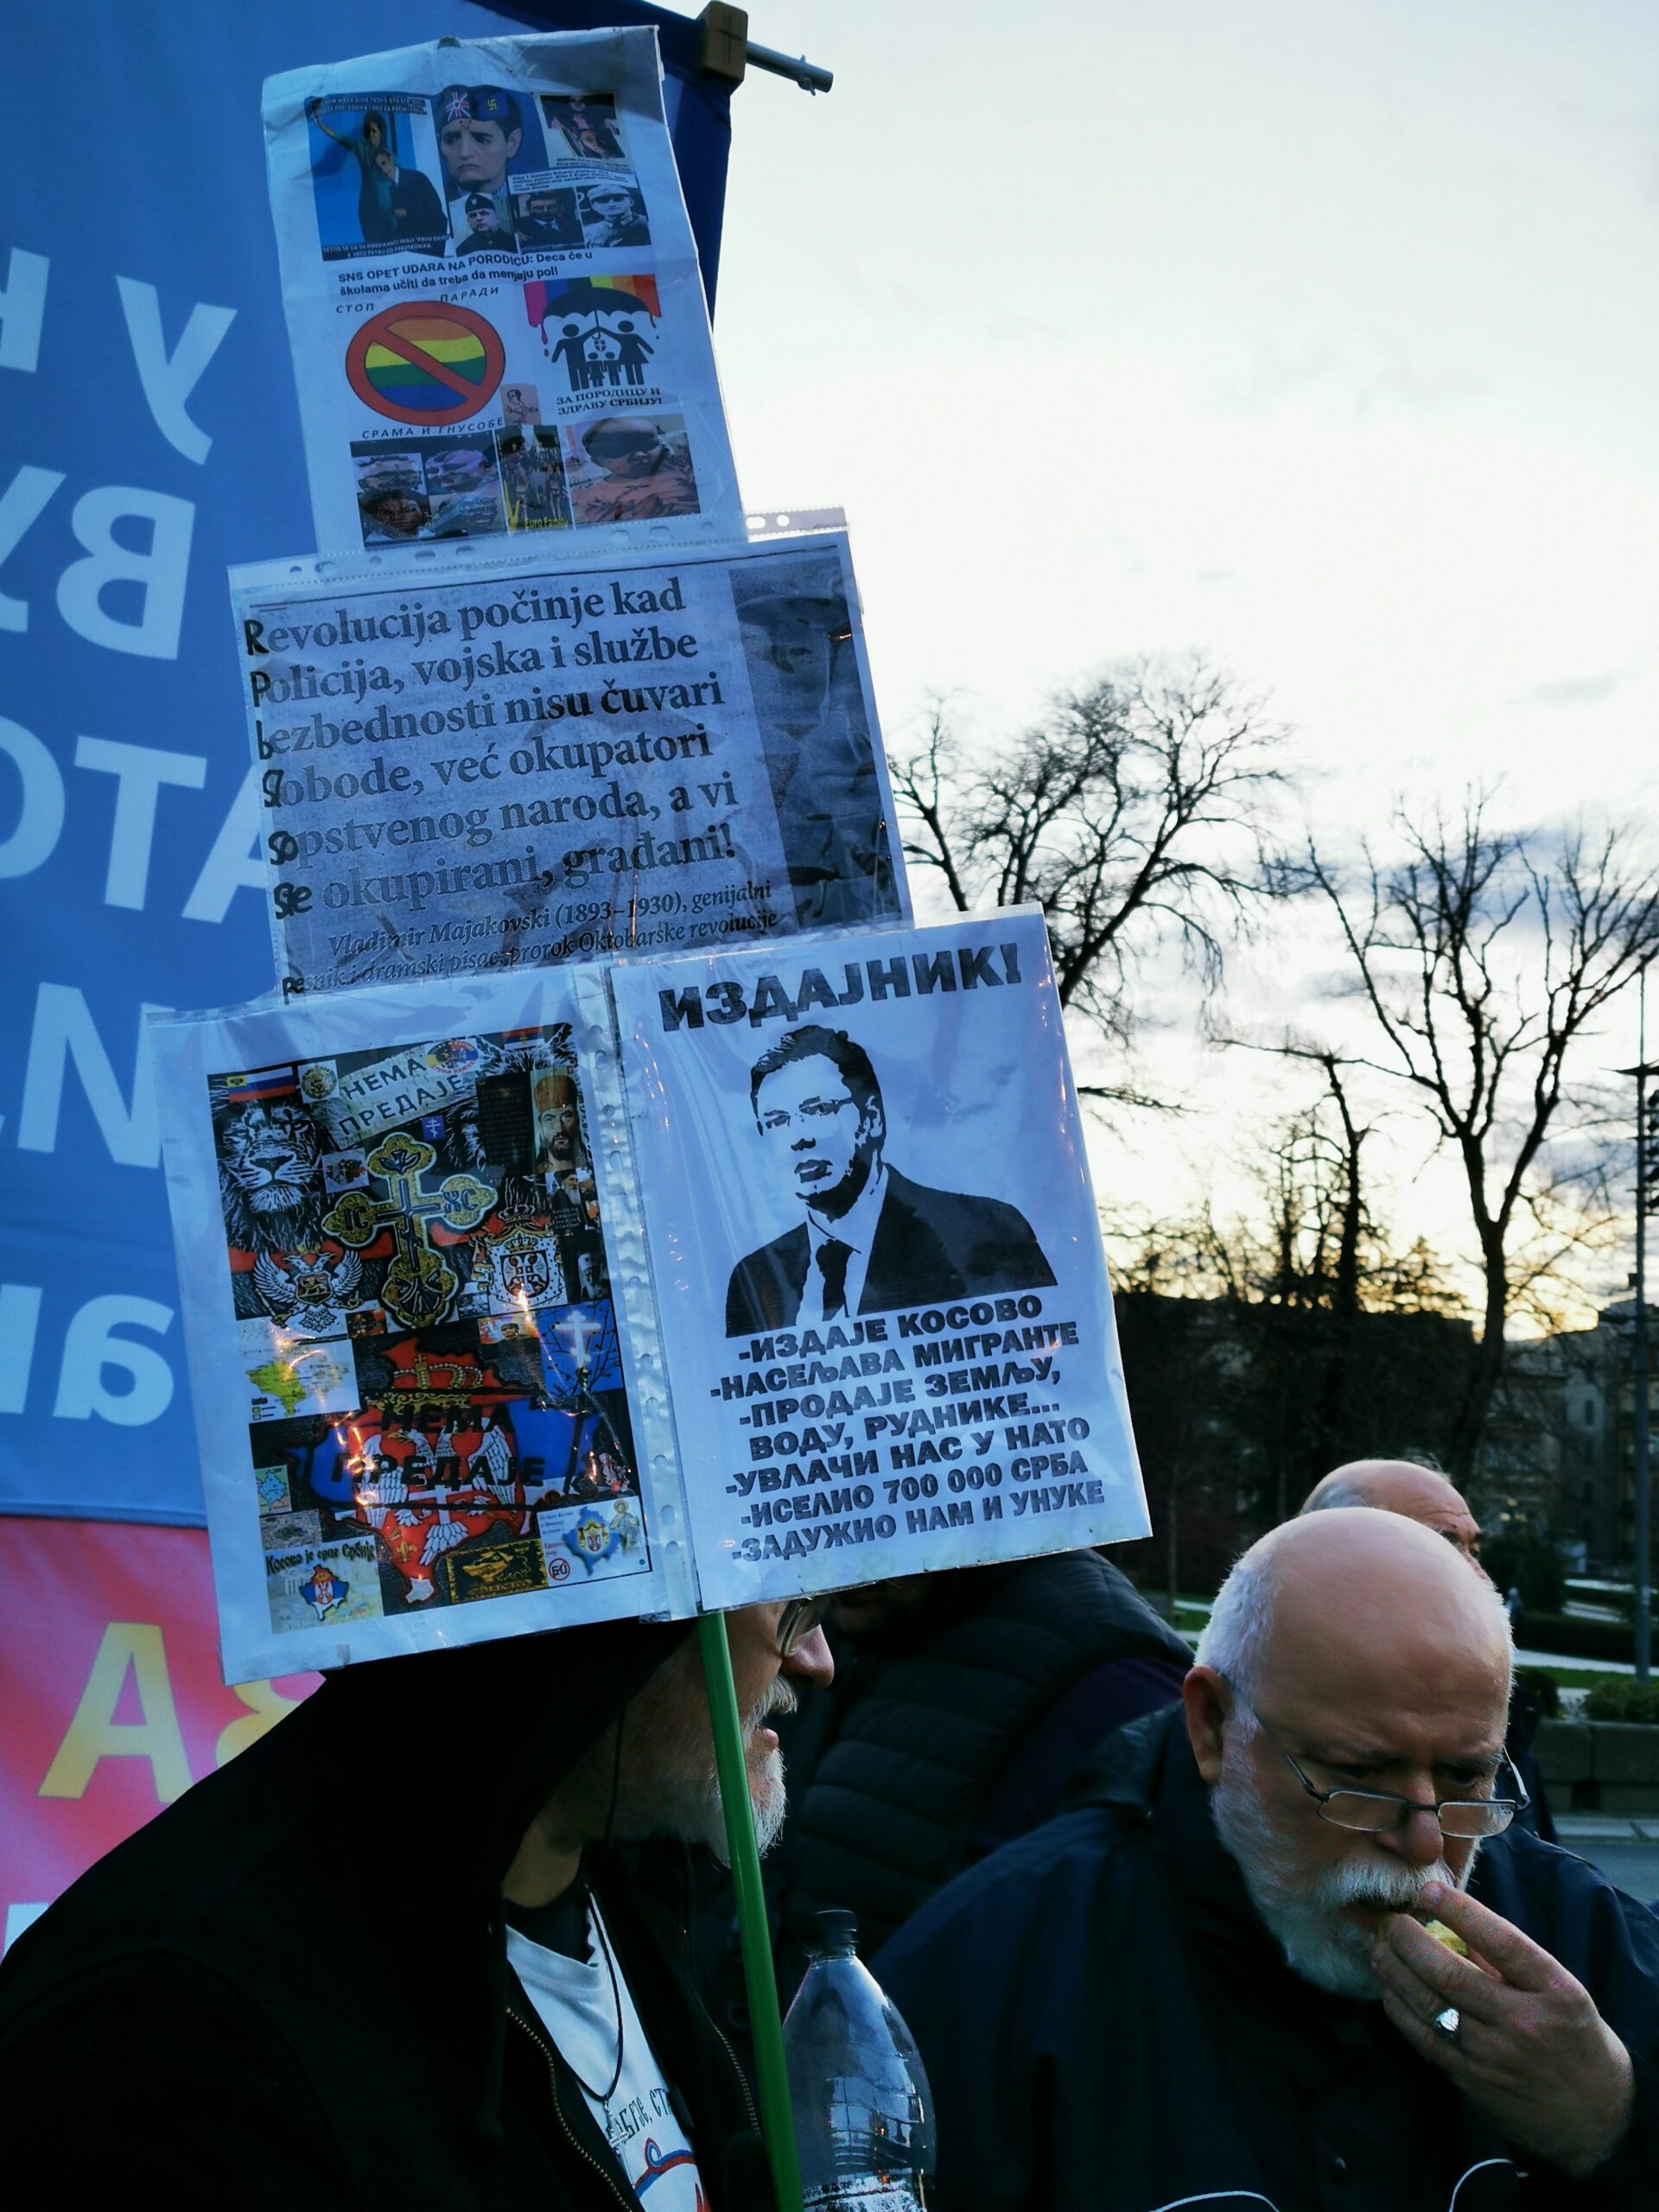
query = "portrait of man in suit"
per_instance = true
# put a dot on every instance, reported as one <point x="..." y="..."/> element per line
<point x="870" y="1239"/>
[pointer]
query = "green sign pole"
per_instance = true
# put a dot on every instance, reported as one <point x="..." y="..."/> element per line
<point x="776" y="2118"/>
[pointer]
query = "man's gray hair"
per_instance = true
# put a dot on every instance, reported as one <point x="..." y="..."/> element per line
<point x="1237" y="1627"/>
<point x="1325" y="1495"/>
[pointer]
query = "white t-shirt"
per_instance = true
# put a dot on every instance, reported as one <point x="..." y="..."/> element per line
<point x="573" y="1997"/>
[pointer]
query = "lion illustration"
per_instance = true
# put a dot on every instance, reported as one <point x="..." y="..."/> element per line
<point x="270" y="1184"/>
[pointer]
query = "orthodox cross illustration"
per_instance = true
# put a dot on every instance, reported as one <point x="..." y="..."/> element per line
<point x="578" y="1332"/>
<point x="421" y="1285"/>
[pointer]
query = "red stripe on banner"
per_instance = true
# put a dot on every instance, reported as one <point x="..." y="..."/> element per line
<point x="111" y="1689"/>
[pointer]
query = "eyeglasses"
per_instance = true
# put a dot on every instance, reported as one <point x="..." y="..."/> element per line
<point x="797" y="1620"/>
<point x="611" y="445"/>
<point x="1373" y="1812"/>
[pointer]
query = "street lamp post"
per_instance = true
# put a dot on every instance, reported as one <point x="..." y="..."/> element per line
<point x="1647" y="1203"/>
<point x="1642" y="1476"/>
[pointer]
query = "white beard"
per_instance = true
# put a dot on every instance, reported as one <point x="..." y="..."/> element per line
<point x="1304" y="1913"/>
<point x="674" y="1795"/>
<point x="766" y="1795"/>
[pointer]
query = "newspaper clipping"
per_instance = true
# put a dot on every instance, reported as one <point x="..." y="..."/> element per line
<point x="408" y="1373"/>
<point x="882" y="1292"/>
<point x="492" y="293"/>
<point x="517" y="764"/>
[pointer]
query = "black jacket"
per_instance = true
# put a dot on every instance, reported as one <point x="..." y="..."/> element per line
<point x="291" y="1988"/>
<point x="930" y="1246"/>
<point x="1108" y="2027"/>
<point x="919" y="1757"/>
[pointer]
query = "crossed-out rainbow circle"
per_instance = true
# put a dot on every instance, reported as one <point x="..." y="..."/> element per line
<point x="425" y="362"/>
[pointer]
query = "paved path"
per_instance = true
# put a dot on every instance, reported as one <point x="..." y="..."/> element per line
<point x="1583" y="1666"/>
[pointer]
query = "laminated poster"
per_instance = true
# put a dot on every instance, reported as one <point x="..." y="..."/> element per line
<point x="419" y="1412"/>
<point x="482" y="1344"/>
<point x="882" y="1292"/>
<point x="507" y="764"/>
<point x="493" y="295"/>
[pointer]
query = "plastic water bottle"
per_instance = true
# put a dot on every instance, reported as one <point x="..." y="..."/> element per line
<point x="863" y="2114"/>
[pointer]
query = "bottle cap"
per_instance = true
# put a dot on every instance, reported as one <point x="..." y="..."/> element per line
<point x="836" y="1935"/>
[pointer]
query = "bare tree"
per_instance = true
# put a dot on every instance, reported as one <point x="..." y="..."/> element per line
<point x="1483" y="957"/>
<point x="1324" y="1341"/>
<point x="1139" y="811"/>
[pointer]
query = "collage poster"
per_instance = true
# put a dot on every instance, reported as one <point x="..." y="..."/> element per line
<point x="492" y="293"/>
<point x="882" y="1292"/>
<point x="406" y="1356"/>
<point x="518" y="763"/>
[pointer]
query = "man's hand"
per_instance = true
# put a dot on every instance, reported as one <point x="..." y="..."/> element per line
<point x="1533" y="2054"/>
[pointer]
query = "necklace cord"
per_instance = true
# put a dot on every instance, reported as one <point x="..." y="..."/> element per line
<point x="603" y="2096"/>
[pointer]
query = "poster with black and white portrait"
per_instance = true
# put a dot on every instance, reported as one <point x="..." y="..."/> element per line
<point x="877" y="1261"/>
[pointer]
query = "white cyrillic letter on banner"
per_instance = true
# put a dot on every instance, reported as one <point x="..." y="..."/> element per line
<point x="64" y="1030"/>
<point x="140" y="771"/>
<point x="91" y="1344"/>
<point x="160" y="570"/>
<point x="168" y="384"/>
<point x="33" y="837"/>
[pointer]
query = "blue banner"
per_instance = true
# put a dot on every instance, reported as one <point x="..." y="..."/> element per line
<point x="149" y="438"/>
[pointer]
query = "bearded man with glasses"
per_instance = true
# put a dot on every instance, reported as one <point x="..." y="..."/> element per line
<point x="424" y="1944"/>
<point x="1216" y="1981"/>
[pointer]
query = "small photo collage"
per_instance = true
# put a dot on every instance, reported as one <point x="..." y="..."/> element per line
<point x="464" y="485"/>
<point x="471" y="171"/>
<point x="417" y="1281"/>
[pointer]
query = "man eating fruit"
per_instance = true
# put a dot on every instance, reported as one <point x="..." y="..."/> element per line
<point x="1217" y="1980"/>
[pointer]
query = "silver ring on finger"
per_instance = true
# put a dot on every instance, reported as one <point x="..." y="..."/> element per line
<point x="1449" y="2023"/>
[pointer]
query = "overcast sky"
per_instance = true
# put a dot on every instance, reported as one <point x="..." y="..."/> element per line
<point x="1321" y="335"/>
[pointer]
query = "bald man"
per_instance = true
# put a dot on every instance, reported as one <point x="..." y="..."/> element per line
<point x="1430" y="1498"/>
<point x="1212" y="1982"/>
<point x="1421" y="1494"/>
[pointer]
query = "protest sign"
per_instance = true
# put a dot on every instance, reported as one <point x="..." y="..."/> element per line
<point x="415" y="1395"/>
<point x="442" y="1391"/>
<point x="493" y="295"/>
<point x="877" y="1367"/>
<point x="504" y="763"/>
